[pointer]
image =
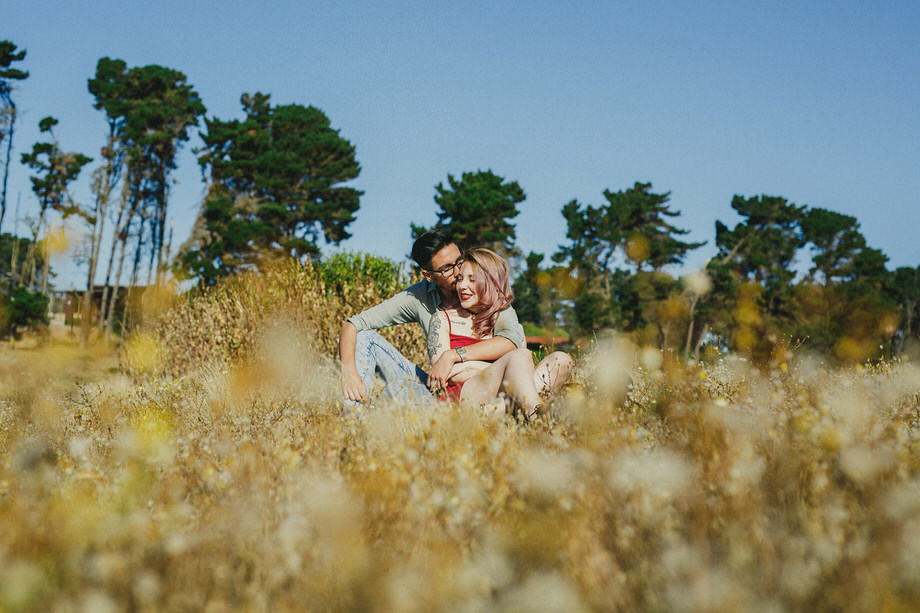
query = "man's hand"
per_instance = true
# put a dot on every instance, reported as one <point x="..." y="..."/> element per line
<point x="352" y="386"/>
<point x="464" y="371"/>
<point x="440" y="370"/>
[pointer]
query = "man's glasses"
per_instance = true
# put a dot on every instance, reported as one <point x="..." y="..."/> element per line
<point x="449" y="269"/>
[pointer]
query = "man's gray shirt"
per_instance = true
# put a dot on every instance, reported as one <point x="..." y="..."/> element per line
<point x="419" y="303"/>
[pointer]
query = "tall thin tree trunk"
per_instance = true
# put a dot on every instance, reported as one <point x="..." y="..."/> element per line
<point x="114" y="298"/>
<point x="32" y="268"/>
<point x="153" y="249"/>
<point x="46" y="268"/>
<point x="14" y="256"/>
<point x="95" y="241"/>
<point x="699" y="342"/>
<point x="690" y="327"/>
<point x="120" y="233"/>
<point x="162" y="233"/>
<point x="28" y="266"/>
<point x="907" y="326"/>
<point x="134" y="273"/>
<point x="46" y="262"/>
<point x="168" y="252"/>
<point x="6" y="163"/>
<point x="138" y="251"/>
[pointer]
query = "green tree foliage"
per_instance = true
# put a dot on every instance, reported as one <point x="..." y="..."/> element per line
<point x="275" y="189"/>
<point x="477" y="209"/>
<point x="839" y="249"/>
<point x="541" y="294"/>
<point x="762" y="248"/>
<point x="839" y="308"/>
<point x="8" y="75"/>
<point x="54" y="171"/>
<point x="633" y="222"/>
<point x="646" y="237"/>
<point x="150" y="110"/>
<point x="753" y="274"/>
<point x="13" y="252"/>
<point x="841" y="305"/>
<point x="632" y="228"/>
<point x="26" y="309"/>
<point x="8" y="55"/>
<point x="527" y="290"/>
<point x="904" y="290"/>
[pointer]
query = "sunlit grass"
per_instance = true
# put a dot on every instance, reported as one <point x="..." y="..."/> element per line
<point x="653" y="486"/>
<point x="206" y="464"/>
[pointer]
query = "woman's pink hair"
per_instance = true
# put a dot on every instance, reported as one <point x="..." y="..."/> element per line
<point x="492" y="285"/>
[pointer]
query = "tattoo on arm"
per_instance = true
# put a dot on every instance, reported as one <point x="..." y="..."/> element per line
<point x="434" y="331"/>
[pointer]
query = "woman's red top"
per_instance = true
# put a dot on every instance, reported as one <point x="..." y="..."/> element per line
<point x="457" y="340"/>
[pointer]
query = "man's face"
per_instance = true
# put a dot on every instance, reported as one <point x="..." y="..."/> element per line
<point x="443" y="271"/>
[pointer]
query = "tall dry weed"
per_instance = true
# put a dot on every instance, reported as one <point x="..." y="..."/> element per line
<point x="221" y="325"/>
<point x="653" y="486"/>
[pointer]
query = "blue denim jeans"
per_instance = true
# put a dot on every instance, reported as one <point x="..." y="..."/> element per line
<point x="405" y="382"/>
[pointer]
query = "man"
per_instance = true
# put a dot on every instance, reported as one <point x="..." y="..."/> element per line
<point x="364" y="352"/>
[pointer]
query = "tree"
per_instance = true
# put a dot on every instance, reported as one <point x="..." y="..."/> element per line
<point x="762" y="248"/>
<point x="275" y="188"/>
<point x="839" y="248"/>
<point x="55" y="171"/>
<point x="752" y="301"/>
<point x="543" y="294"/>
<point x="150" y="110"/>
<point x="8" y="74"/>
<point x="631" y="228"/>
<point x="632" y="222"/>
<point x="25" y="309"/>
<point x="108" y="88"/>
<point x="13" y="252"/>
<point x="905" y="291"/>
<point x="527" y="291"/>
<point x="645" y="236"/>
<point x="477" y="210"/>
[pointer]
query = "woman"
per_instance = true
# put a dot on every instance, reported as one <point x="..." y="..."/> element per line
<point x="484" y="290"/>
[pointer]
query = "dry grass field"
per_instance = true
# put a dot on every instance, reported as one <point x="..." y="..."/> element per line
<point x="240" y="485"/>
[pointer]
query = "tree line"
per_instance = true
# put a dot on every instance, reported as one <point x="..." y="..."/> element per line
<point x="786" y="276"/>
<point x="277" y="187"/>
<point x="273" y="188"/>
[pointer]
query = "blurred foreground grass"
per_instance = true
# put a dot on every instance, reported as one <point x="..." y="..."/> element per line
<point x="714" y="487"/>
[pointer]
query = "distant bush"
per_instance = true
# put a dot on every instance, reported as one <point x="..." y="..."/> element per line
<point x="225" y="323"/>
<point x="25" y="309"/>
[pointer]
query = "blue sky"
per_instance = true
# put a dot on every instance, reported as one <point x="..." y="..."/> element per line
<point x="816" y="102"/>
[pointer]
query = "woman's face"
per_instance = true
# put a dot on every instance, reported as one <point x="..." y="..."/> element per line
<point x="466" y="287"/>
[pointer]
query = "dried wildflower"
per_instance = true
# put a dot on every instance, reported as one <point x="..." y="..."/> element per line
<point x="698" y="283"/>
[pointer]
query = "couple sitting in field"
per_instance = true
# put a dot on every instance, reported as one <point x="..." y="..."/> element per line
<point x="475" y="343"/>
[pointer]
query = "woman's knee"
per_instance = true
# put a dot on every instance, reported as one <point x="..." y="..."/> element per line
<point x="554" y="370"/>
<point x="521" y="355"/>
<point x="561" y="361"/>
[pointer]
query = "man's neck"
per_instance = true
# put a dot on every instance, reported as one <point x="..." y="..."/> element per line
<point x="448" y="298"/>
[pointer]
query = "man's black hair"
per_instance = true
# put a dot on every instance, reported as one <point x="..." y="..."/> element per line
<point x="429" y="244"/>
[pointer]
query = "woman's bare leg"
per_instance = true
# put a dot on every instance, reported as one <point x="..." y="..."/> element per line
<point x="513" y="374"/>
<point x="552" y="372"/>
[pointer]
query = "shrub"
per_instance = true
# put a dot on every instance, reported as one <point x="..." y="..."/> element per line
<point x="223" y="324"/>
<point x="26" y="309"/>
